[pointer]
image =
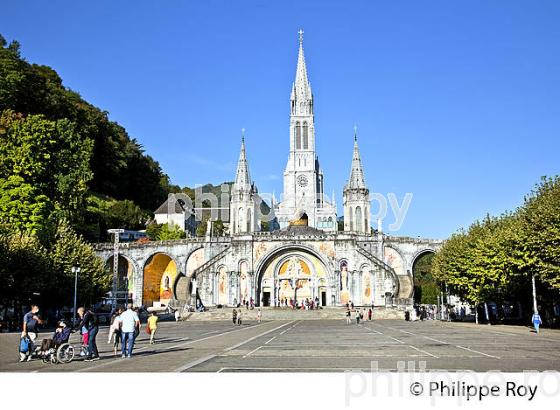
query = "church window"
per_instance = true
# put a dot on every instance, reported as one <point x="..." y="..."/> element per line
<point x="298" y="136"/>
<point x="240" y="220"/>
<point x="249" y="225"/>
<point x="359" y="219"/>
<point x="330" y="222"/>
<point x="305" y="136"/>
<point x="351" y="221"/>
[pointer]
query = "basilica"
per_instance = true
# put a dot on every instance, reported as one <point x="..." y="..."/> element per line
<point x="303" y="255"/>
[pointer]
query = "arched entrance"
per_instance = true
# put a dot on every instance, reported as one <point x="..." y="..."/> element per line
<point x="183" y="285"/>
<point x="292" y="275"/>
<point x="160" y="273"/>
<point x="426" y="289"/>
<point x="125" y="278"/>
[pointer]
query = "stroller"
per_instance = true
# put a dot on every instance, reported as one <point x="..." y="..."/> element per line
<point x="57" y="349"/>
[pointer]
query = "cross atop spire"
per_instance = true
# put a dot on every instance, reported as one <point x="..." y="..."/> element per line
<point x="301" y="89"/>
<point x="355" y="132"/>
<point x="243" y="134"/>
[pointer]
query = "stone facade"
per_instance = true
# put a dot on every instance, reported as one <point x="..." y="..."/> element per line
<point x="307" y="258"/>
<point x="342" y="267"/>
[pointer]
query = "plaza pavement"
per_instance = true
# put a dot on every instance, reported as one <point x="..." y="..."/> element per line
<point x="314" y="346"/>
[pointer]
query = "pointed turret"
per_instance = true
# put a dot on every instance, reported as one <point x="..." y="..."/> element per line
<point x="356" y="195"/>
<point x="244" y="197"/>
<point x="357" y="179"/>
<point x="242" y="176"/>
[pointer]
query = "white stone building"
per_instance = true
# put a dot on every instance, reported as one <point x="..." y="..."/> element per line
<point x="307" y="258"/>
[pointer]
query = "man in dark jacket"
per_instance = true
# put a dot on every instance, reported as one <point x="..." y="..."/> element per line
<point x="88" y="319"/>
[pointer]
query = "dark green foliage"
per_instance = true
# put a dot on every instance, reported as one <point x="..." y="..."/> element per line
<point x="120" y="168"/>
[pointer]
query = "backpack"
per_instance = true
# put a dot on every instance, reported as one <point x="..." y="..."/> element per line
<point x="24" y="344"/>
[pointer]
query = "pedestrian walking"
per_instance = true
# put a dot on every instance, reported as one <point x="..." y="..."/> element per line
<point x="259" y="315"/>
<point x="348" y="319"/>
<point x="129" y="322"/>
<point x="114" y="331"/>
<point x="239" y="318"/>
<point x="234" y="316"/>
<point x="90" y="325"/>
<point x="369" y="314"/>
<point x="152" y="327"/>
<point x="358" y="316"/>
<point x="137" y="327"/>
<point x="30" y="330"/>
<point x="536" y="321"/>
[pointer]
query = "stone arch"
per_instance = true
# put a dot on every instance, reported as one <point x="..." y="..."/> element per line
<point x="127" y="273"/>
<point x="274" y="253"/>
<point x="183" y="286"/>
<point x="425" y="287"/>
<point x="418" y="254"/>
<point x="159" y="274"/>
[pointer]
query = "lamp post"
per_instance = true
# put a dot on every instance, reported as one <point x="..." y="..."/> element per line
<point x="535" y="307"/>
<point x="75" y="271"/>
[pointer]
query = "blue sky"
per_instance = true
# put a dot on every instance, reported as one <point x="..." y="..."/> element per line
<point x="456" y="102"/>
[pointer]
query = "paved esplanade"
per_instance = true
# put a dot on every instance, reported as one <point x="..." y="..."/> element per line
<point x="315" y="345"/>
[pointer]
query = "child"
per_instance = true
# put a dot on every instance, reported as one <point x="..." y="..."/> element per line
<point x="536" y="321"/>
<point x="152" y="325"/>
<point x="85" y="341"/>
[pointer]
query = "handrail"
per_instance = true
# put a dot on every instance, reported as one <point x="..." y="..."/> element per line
<point x="211" y="261"/>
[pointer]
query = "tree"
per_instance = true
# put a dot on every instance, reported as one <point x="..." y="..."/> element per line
<point x="26" y="270"/>
<point x="48" y="155"/>
<point x="69" y="250"/>
<point x="218" y="227"/>
<point x="153" y="230"/>
<point x="23" y="208"/>
<point x="170" y="232"/>
<point x="540" y="222"/>
<point x="164" y="232"/>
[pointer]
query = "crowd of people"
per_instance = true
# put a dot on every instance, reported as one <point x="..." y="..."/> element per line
<point x="124" y="330"/>
<point x="306" y="304"/>
<point x="358" y="313"/>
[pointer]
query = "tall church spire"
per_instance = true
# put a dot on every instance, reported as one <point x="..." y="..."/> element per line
<point x="357" y="179"/>
<point x="301" y="89"/>
<point x="242" y="176"/>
